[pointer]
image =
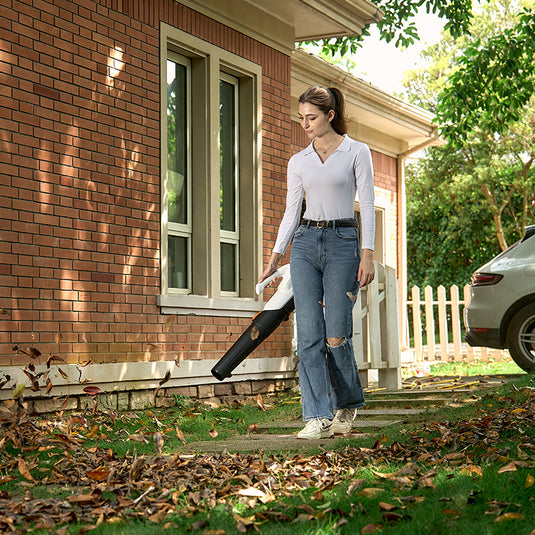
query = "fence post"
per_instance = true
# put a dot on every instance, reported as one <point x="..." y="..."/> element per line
<point x="455" y="322"/>
<point x="442" y="323"/>
<point x="466" y="295"/>
<point x="417" y="324"/>
<point x="429" y="322"/>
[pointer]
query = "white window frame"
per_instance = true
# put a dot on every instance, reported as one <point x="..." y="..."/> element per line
<point x="171" y="228"/>
<point x="208" y="62"/>
<point x="226" y="236"/>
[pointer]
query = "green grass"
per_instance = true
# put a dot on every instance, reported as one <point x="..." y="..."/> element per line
<point x="505" y="367"/>
<point x="464" y="493"/>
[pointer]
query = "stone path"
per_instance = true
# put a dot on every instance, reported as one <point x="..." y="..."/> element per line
<point x="383" y="409"/>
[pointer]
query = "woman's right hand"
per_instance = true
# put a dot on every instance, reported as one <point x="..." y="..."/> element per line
<point x="271" y="267"/>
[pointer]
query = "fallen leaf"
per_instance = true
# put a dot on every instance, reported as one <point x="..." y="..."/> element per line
<point x="372" y="528"/>
<point x="213" y="433"/>
<point x="100" y="474"/>
<point x="180" y="436"/>
<point x="158" y="442"/>
<point x="260" y="401"/>
<point x="386" y="506"/>
<point x="24" y="470"/>
<point x="530" y="480"/>
<point x="370" y="492"/>
<point x="166" y="378"/>
<point x="49" y="385"/>
<point x="58" y="337"/>
<point x="82" y="499"/>
<point x="252" y="492"/>
<point x="92" y="390"/>
<point x="451" y="512"/>
<point x="506" y="517"/>
<point x="253" y="428"/>
<point x="18" y="390"/>
<point x="63" y="374"/>
<point x="34" y="352"/>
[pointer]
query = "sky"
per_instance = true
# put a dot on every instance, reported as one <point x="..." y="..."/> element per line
<point x="383" y="65"/>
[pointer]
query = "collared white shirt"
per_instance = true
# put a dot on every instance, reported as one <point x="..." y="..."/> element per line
<point x="330" y="188"/>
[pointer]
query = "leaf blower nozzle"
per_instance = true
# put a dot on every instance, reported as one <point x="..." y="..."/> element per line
<point x="276" y="310"/>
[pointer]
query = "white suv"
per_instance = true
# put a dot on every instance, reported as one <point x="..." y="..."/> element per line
<point x="501" y="313"/>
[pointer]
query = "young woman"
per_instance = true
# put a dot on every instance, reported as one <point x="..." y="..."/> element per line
<point x="327" y="264"/>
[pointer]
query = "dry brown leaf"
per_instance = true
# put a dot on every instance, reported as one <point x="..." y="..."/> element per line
<point x="253" y="428"/>
<point x="386" y="506"/>
<point x="24" y="470"/>
<point x="82" y="499"/>
<point x="100" y="474"/>
<point x="260" y="401"/>
<point x="166" y="378"/>
<point x="372" y="528"/>
<point x="451" y="512"/>
<point x="255" y="333"/>
<point x="158" y="442"/>
<point x="63" y="374"/>
<point x="506" y="517"/>
<point x="530" y="481"/>
<point x="18" y="390"/>
<point x="58" y="337"/>
<point x="180" y="436"/>
<point x="213" y="433"/>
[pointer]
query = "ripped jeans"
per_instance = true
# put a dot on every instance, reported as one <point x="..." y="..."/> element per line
<point x="324" y="265"/>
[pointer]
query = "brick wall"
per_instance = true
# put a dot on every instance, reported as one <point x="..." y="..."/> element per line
<point x="79" y="179"/>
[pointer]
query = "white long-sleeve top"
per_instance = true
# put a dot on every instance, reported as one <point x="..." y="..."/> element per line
<point x="330" y="188"/>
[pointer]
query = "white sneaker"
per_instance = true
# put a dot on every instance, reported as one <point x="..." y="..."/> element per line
<point x="318" y="428"/>
<point x="343" y="421"/>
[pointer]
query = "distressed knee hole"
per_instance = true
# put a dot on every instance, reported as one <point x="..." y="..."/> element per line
<point x="335" y="342"/>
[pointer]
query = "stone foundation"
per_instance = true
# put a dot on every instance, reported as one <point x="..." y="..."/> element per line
<point x="216" y="394"/>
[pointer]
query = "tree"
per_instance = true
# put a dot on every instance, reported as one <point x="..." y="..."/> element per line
<point x="493" y="80"/>
<point x="499" y="157"/>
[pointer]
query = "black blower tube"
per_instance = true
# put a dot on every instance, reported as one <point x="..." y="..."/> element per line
<point x="261" y="327"/>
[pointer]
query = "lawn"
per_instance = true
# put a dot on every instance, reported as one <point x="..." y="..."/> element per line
<point x="467" y="470"/>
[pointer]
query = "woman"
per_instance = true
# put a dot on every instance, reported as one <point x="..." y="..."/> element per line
<point x="326" y="264"/>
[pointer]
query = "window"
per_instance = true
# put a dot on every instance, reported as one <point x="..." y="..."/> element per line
<point x="178" y="205"/>
<point x="229" y="183"/>
<point x="211" y="211"/>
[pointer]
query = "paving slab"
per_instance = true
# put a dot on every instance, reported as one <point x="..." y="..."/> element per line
<point x="266" y="443"/>
<point x="360" y="424"/>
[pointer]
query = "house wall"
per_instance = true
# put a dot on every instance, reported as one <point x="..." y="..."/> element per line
<point x="80" y="182"/>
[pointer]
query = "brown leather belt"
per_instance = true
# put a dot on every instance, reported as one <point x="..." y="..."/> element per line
<point x="333" y="223"/>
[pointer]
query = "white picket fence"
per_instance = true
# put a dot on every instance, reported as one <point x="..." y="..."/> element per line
<point x="447" y="315"/>
<point x="375" y="330"/>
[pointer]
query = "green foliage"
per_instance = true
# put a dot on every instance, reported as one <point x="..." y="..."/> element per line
<point x="449" y="229"/>
<point x="397" y="24"/>
<point x="492" y="84"/>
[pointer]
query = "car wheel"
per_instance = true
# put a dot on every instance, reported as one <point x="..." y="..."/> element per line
<point x="520" y="338"/>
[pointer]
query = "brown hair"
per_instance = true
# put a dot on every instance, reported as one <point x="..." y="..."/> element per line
<point x="326" y="99"/>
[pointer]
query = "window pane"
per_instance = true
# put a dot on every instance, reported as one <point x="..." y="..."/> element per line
<point x="227" y="156"/>
<point x="177" y="254"/>
<point x="228" y="267"/>
<point x="177" y="190"/>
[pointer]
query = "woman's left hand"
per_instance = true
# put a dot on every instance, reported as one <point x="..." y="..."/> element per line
<point x="366" y="268"/>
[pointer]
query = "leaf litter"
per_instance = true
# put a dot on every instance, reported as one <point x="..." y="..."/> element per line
<point x="100" y="486"/>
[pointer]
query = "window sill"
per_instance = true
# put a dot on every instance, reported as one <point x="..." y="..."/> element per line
<point x="197" y="305"/>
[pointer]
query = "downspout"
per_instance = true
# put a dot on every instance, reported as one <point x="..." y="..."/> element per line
<point x="402" y="242"/>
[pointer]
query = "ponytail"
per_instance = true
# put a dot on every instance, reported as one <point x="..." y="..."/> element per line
<point x="328" y="99"/>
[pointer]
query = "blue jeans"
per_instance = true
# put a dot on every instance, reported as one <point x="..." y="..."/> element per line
<point x="324" y="265"/>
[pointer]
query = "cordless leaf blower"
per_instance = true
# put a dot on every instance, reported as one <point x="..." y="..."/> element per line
<point x="276" y="310"/>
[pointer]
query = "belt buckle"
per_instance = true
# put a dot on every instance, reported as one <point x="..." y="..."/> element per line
<point x="322" y="224"/>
